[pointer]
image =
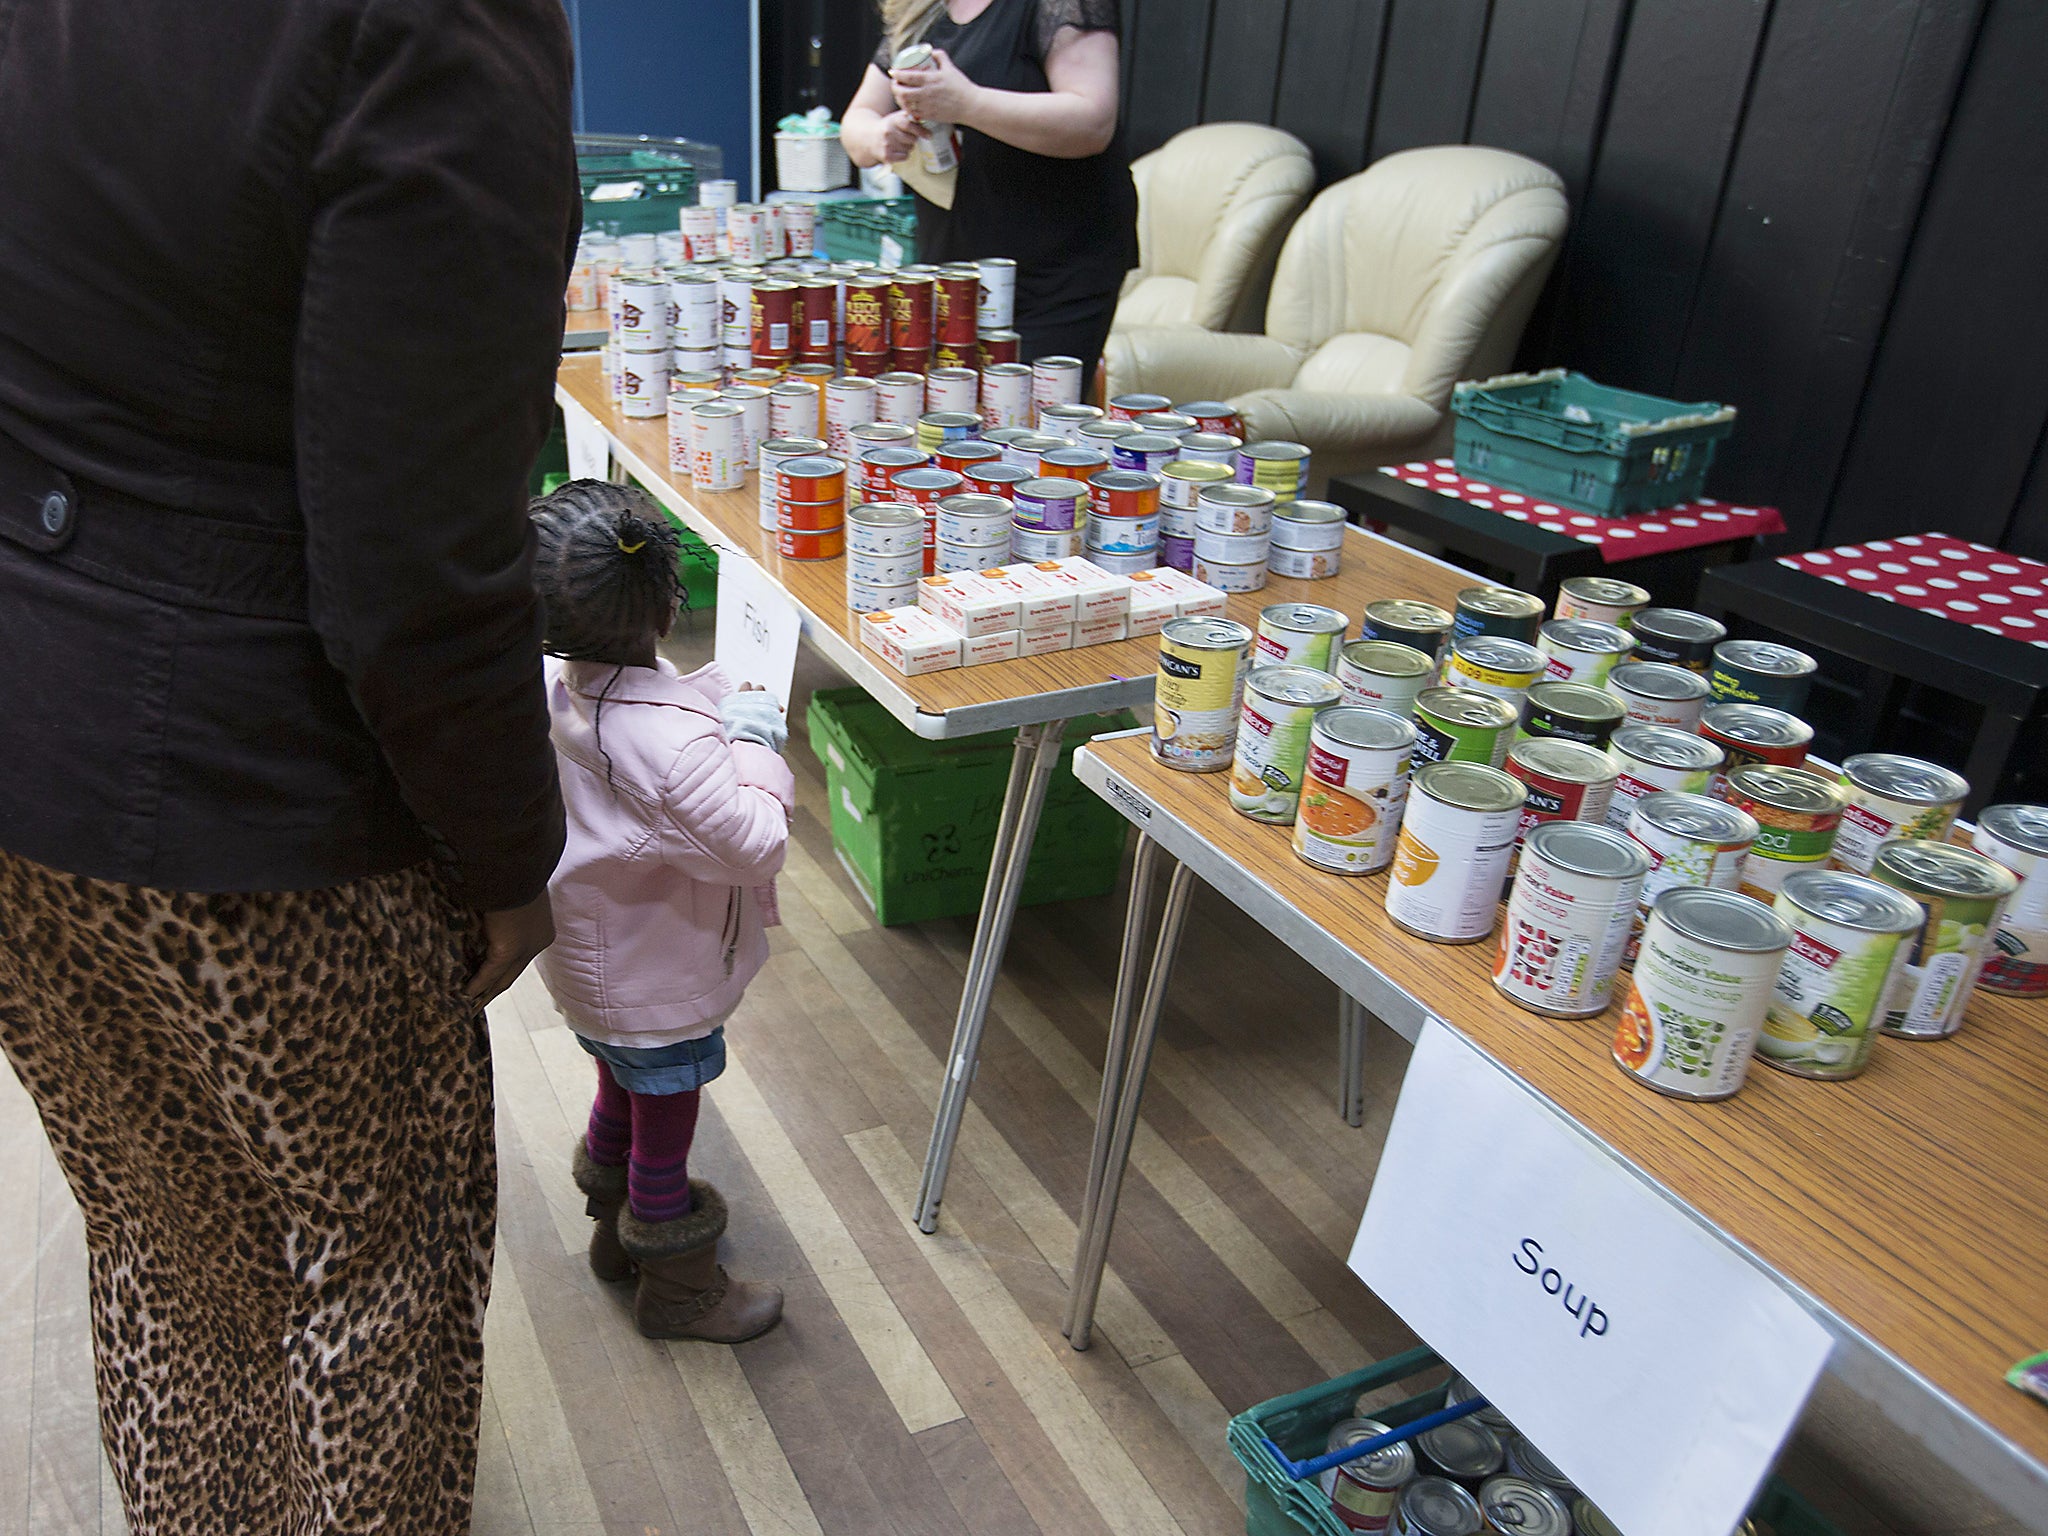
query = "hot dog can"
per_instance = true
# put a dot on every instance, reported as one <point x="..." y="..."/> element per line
<point x="1407" y="622"/>
<point x="1962" y="895"/>
<point x="1028" y="543"/>
<point x="1893" y="796"/>
<point x="817" y="334"/>
<point x="1582" y="650"/>
<point x="1677" y="637"/>
<point x="1309" y="526"/>
<point x="957" y="305"/>
<point x="1063" y="418"/>
<point x="886" y="529"/>
<point x="643" y="384"/>
<point x="793" y="410"/>
<point x="1354" y="789"/>
<point x="869" y="365"/>
<point x="810" y="544"/>
<point x="885" y="570"/>
<point x="1490" y="664"/>
<point x="996" y="347"/>
<point x="1054" y="505"/>
<point x="867" y="315"/>
<point x="1364" y="1490"/>
<point x="1055" y="381"/>
<point x="1568" y="916"/>
<point x="1233" y="509"/>
<point x="1211" y="448"/>
<point x="1279" y="467"/>
<point x="1131" y="407"/>
<point x="996" y="307"/>
<point x="1069" y="462"/>
<point x="849" y="403"/>
<point x="961" y="454"/>
<point x="1124" y="493"/>
<point x="1436" y="1506"/>
<point x="821" y="478"/>
<point x="899" y="397"/>
<point x="1302" y="634"/>
<point x="1690" y="840"/>
<point x="2017" y="837"/>
<point x="1304" y="564"/>
<point x="1600" y="597"/>
<point x="1758" y="672"/>
<point x="997" y="479"/>
<point x="1570" y="712"/>
<point x="912" y="301"/>
<point x="1451" y="857"/>
<point x="1381" y="674"/>
<point x="717" y="449"/>
<point x="1849" y="936"/>
<point x="1212" y="416"/>
<point x="1114" y="535"/>
<point x="874" y="477"/>
<point x="1499" y="611"/>
<point x="1280" y="703"/>
<point x="1006" y="395"/>
<point x="953" y="389"/>
<point x="1654" y="757"/>
<point x="1149" y="451"/>
<point x="1696" y="1000"/>
<point x="1754" y="733"/>
<point x="1181" y="484"/>
<point x="773" y="314"/>
<point x="1456" y="725"/>
<point x="1798" y="815"/>
<point x="1567" y="780"/>
<point x="1199" y="692"/>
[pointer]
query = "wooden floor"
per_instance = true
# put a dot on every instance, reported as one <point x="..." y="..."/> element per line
<point x="919" y="1384"/>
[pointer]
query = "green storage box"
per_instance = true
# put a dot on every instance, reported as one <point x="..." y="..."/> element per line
<point x="914" y="821"/>
<point x="1561" y="437"/>
<point x="634" y="185"/>
<point x="852" y="228"/>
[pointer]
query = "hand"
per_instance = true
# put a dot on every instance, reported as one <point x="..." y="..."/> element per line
<point x="900" y="133"/>
<point x="940" y="94"/>
<point x="514" y="935"/>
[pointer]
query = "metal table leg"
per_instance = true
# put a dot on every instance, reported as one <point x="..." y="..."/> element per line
<point x="1037" y="754"/>
<point x="1092" y="1250"/>
<point x="1351" y="1060"/>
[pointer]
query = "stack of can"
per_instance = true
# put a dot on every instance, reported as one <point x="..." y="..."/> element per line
<point x="1308" y="540"/>
<point x="1233" y="536"/>
<point x="970" y="532"/>
<point x="717" y="453"/>
<point x="885" y="556"/>
<point x="1050" y="516"/>
<point x="693" y="323"/>
<point x="1180" y="487"/>
<point x="774" y="452"/>
<point x="810" y="508"/>
<point x="639" y="333"/>
<point x="1123" y="520"/>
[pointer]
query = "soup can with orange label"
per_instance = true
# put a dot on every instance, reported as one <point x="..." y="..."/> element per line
<point x="1451" y="858"/>
<point x="1354" y="789"/>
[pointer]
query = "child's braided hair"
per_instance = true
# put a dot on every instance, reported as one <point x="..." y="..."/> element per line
<point x="606" y="569"/>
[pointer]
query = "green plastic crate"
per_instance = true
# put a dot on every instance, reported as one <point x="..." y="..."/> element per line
<point x="661" y="176"/>
<point x="914" y="821"/>
<point x="851" y="228"/>
<point x="1560" y="436"/>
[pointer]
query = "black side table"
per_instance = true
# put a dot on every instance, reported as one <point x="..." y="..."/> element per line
<point x="1900" y="645"/>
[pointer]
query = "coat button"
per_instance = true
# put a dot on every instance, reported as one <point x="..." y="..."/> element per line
<point x="56" y="512"/>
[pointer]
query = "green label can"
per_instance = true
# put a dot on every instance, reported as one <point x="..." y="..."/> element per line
<point x="1848" y="937"/>
<point x="1758" y="672"/>
<point x="1305" y="634"/>
<point x="1456" y="725"/>
<point x="1962" y="895"/>
<point x="1280" y="706"/>
<point x="1499" y="611"/>
<point x="1797" y="815"/>
<point x="1892" y="796"/>
<point x="1406" y="621"/>
<point x="1570" y="712"/>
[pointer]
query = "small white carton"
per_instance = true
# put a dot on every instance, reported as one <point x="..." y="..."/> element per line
<point x="1152" y="602"/>
<point x="985" y="648"/>
<point x="1041" y="601"/>
<point x="1039" y="642"/>
<point x="1101" y="631"/>
<point x="910" y="640"/>
<point x="967" y="602"/>
<point x="1098" y="594"/>
<point x="1192" y="598"/>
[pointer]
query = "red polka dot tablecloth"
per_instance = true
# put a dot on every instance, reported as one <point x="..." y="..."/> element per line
<point x="1998" y="593"/>
<point x="1685" y="526"/>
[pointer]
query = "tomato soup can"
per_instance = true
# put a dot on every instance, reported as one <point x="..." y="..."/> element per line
<point x="1055" y="505"/>
<point x="996" y="307"/>
<point x="793" y="410"/>
<point x="1798" y="815"/>
<point x="1006" y="395"/>
<point x="1569" y="712"/>
<point x="819" y="478"/>
<point x="849" y="403"/>
<point x="717" y="449"/>
<point x="1654" y="694"/>
<point x="1653" y="757"/>
<point x="885" y="529"/>
<point x="1690" y="840"/>
<point x="1131" y="407"/>
<point x="1754" y="733"/>
<point x="1354" y="789"/>
<point x="1211" y="448"/>
<point x="1451" y="857"/>
<point x="1279" y="467"/>
<point x="1199" y="692"/>
<point x="1497" y="611"/>
<point x="1436" y="1506"/>
<point x="1490" y="664"/>
<point x="899" y="397"/>
<point x="1062" y="418"/>
<point x="953" y="389"/>
<point x="1848" y="938"/>
<point x="1304" y="634"/>
<point x="1456" y="725"/>
<point x="1677" y="637"/>
<point x="1893" y="796"/>
<point x="1364" y="1491"/>
<point x="1149" y="451"/>
<point x="1406" y="621"/>
<point x="1600" y="597"/>
<point x="1582" y="650"/>
<point x="810" y="544"/>
<point x="1514" y="1505"/>
<point x="1056" y="381"/>
<point x="1280" y="703"/>
<point x="1567" y="781"/>
<point x="1963" y="895"/>
<point x="961" y="454"/>
<point x="1567" y="924"/>
<point x="1124" y="493"/>
<point x="2017" y="837"/>
<point x="1697" y="998"/>
<point x="1382" y="674"/>
<point x="996" y="479"/>
<point x="1758" y="672"/>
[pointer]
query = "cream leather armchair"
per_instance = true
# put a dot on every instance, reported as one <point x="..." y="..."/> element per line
<point x="1397" y="282"/>
<point x="1213" y="203"/>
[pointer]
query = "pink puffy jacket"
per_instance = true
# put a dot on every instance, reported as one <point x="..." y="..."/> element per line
<point x="657" y="924"/>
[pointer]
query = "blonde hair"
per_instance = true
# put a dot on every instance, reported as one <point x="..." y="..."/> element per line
<point x="906" y="21"/>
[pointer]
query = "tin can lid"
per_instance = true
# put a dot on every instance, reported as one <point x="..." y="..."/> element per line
<point x="1168" y="422"/>
<point x="1471" y="787"/>
<point x="714" y="408"/>
<point x="916" y="56"/>
<point x="970" y="448"/>
<point x="1667" y="748"/>
<point x="1360" y="725"/>
<point x="1501" y="602"/>
<point x="1911" y="779"/>
<point x="1388" y="1466"/>
<point x="1436" y="1506"/>
<point x="1587" y="849"/>
<point x="1463" y="1447"/>
<point x="1002" y="437"/>
<point x="1607" y="591"/>
<point x="1788" y="789"/>
<point x="1527" y="1508"/>
<point x="1587" y="635"/>
<point x="743" y="392"/>
<point x="1147" y="442"/>
<point x="1309" y="618"/>
<point x="1205" y="408"/>
<point x="793" y="389"/>
<point x="885" y="433"/>
<point x="1070" y="411"/>
<point x="2023" y="826"/>
<point x="1678" y="624"/>
<point x="815" y="467"/>
<point x="890" y="514"/>
<point x="1317" y="513"/>
<point x="1658" y="680"/>
<point x="1113" y="430"/>
<point x="1141" y="402"/>
<point x="1229" y="494"/>
<point x="1408" y="612"/>
<point x="1699" y="817"/>
<point x="1211" y="442"/>
<point x="1124" y="480"/>
<point x="1041" y="442"/>
<point x="896" y="456"/>
<point x="1572" y="761"/>
<point x="998" y="473"/>
<point x="1388" y="658"/>
<point x="932" y="479"/>
<point x="1275" y="450"/>
<point x="792" y="447"/>
<point x="900" y="377"/>
<point x="1498" y="652"/>
<point x="1764" y="657"/>
<point x="1943" y="869"/>
<point x="1577" y="701"/>
<point x="1724" y="919"/>
<point x="1587" y="1519"/>
<point x="957" y="375"/>
<point x="1290" y="684"/>
<point x="1852" y="901"/>
<point x="1054" y="488"/>
<point x="1074" y="456"/>
<point x="1207" y="633"/>
<point x="1466" y="706"/>
<point x="949" y="418"/>
<point x="1194" y="469"/>
<point x="1756" y="724"/>
<point x="1534" y="1465"/>
<point x="853" y="382"/>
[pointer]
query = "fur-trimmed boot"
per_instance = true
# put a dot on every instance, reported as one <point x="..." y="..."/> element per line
<point x="684" y="1293"/>
<point x="604" y="1189"/>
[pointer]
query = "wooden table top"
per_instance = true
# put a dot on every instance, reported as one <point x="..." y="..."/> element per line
<point x="586" y="328"/>
<point x="1910" y="1203"/>
<point x="1373" y="568"/>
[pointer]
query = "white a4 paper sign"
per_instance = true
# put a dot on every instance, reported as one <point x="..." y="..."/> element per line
<point x="1658" y="1367"/>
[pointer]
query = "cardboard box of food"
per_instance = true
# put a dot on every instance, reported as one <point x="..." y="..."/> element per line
<point x="910" y="640"/>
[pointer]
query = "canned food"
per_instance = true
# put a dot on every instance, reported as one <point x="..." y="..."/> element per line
<point x="1531" y="1465"/>
<point x="997" y="307"/>
<point x="1406" y="621"/>
<point x="996" y="479"/>
<point x="717" y="449"/>
<point x="1281" y="468"/>
<point x="1364" y="1491"/>
<point x="1272" y="739"/>
<point x="753" y="403"/>
<point x="1797" y="814"/>
<point x="1892" y="796"/>
<point x="1754" y="733"/>
<point x="1460" y="1390"/>
<point x="1200" y="688"/>
<point x="849" y="403"/>
<point x="972" y="519"/>
<point x="1451" y="858"/>
<point x="950" y="559"/>
<point x="1054" y="505"/>
<point x="1006" y="395"/>
<point x="1962" y="894"/>
<point x="1228" y="576"/>
<point x="1124" y="565"/>
<point x="1177" y="552"/>
<point x="1567" y="780"/>
<point x="1072" y="463"/>
<point x="820" y="478"/>
<point x="1056" y="381"/>
<point x="1582" y="650"/>
<point x="641" y="311"/>
<point x="773" y="306"/>
<point x="1457" y="725"/>
<point x="1381" y="674"/>
<point x="643" y="384"/>
<point x="1696" y="1001"/>
<point x="1028" y="543"/>
<point x="1148" y="451"/>
<point x="810" y="516"/>
<point x="1180" y="483"/>
<point x="912" y="305"/>
<point x="1758" y="672"/>
<point x="1354" y="789"/>
<point x="1654" y="694"/>
<point x="954" y="390"/>
<point x="1165" y="424"/>
<point x="1435" y="1506"/>
<point x="1677" y="637"/>
<point x="885" y="528"/>
<point x="1464" y="1450"/>
<point x="1304" y="564"/>
<point x="1569" y="914"/>
<point x="1521" y="1506"/>
<point x="1303" y="633"/>
<point x="793" y="410"/>
<point x="1111" y="535"/>
<point x="874" y="477"/>
<point x="817" y="337"/>
<point x="1232" y="509"/>
<point x="1497" y="611"/>
<point x="1491" y="664"/>
<point x="1124" y="493"/>
<point x="799" y="226"/>
<point x="1848" y="937"/>
<point x="961" y="454"/>
<point x="1211" y="416"/>
<point x="883" y="434"/>
<point x="1131" y="407"/>
<point x="937" y="428"/>
<point x="1309" y="526"/>
<point x="1691" y="840"/>
<point x="957" y="304"/>
<point x="892" y="570"/>
<point x="1600" y="597"/>
<point x="810" y="544"/>
<point x="2017" y="837"/>
<point x="1654" y="757"/>
<point x="1587" y="1520"/>
<point x="1569" y="712"/>
<point x="1211" y="448"/>
<point x="1064" y="418"/>
<point x="899" y="397"/>
<point x="1024" y="451"/>
<point x="924" y="485"/>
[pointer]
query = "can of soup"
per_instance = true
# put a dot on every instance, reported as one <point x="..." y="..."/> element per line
<point x="1383" y="675"/>
<point x="1464" y="1450"/>
<point x="1569" y="712"/>
<point x="1602" y="598"/>
<point x="1797" y="815"/>
<point x="1364" y="1491"/>
<point x="1567" y="780"/>
<point x="1456" y="725"/>
<point x="1055" y="505"/>
<point x="1406" y="621"/>
<point x="1521" y="1506"/>
<point x="1435" y="1506"/>
<point x="1677" y="637"/>
<point x="1279" y="467"/>
<point x="1306" y="634"/>
<point x="955" y="390"/>
<point x="1690" y="840"/>
<point x="1892" y="796"/>
<point x="1654" y="757"/>
<point x="793" y="410"/>
<point x="2017" y="837"/>
<point x="1451" y="857"/>
<point x="1582" y="650"/>
<point x="1460" y="1390"/>
<point x="1654" y="694"/>
<point x="1490" y="664"/>
<point x="1848" y="938"/>
<point x="1200" y="689"/>
<point x="1568" y="918"/>
<point x="1754" y="733"/>
<point x="1696" y="1001"/>
<point x="1354" y="789"/>
<point x="1497" y="611"/>
<point x="1280" y="703"/>
<point x="717" y="449"/>
<point x="1962" y="894"/>
<point x="1758" y="672"/>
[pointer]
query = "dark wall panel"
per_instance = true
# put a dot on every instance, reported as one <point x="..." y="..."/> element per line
<point x="1329" y="74"/>
<point x="1543" y="84"/>
<point x="1169" y="57"/>
<point x="1244" y="60"/>
<point x="1431" y="63"/>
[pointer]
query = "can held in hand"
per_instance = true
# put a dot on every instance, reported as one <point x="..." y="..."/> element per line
<point x="1280" y="703"/>
<point x="1570" y="712"/>
<point x="1305" y="634"/>
<point x="1354" y="789"/>
<point x="1602" y="598"/>
<point x="1758" y="672"/>
<point x="1797" y="814"/>
<point x="1654" y="694"/>
<point x="1364" y="1491"/>
<point x="1582" y="650"/>
<point x="1451" y="857"/>
<point x="1892" y="796"/>
<point x="1381" y="674"/>
<point x="1568" y="916"/>
<point x="1690" y="840"/>
<point x="1567" y="780"/>
<point x="1200" y="689"/>
<point x="1696" y="1001"/>
<point x="1456" y="725"/>
<point x="1677" y="637"/>
<point x="1754" y="733"/>
<point x="1962" y="894"/>
<point x="1654" y="757"/>
<point x="717" y="447"/>
<point x="1279" y="467"/>
<point x="1501" y="611"/>
<point x="1491" y="664"/>
<point x="2017" y="837"/>
<point x="1848" y="938"/>
<point x="1406" y="621"/>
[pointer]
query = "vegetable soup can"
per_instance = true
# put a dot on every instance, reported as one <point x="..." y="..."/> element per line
<point x="1654" y="757"/>
<point x="1306" y="634"/>
<point x="1848" y="938"/>
<point x="1499" y="611"/>
<point x="1381" y="674"/>
<point x="1407" y="621"/>
<point x="1055" y="381"/>
<point x="1600" y="597"/>
<point x="1758" y="672"/>
<point x="1654" y="694"/>
<point x="1279" y="467"/>
<point x="2017" y="837"/>
<point x="793" y="410"/>
<point x="1354" y="789"/>
<point x="1697" y="998"/>
<point x="1436" y="1506"/>
<point x="1451" y="857"/>
<point x="1491" y="664"/>
<point x="1754" y="733"/>
<point x="1568" y="916"/>
<point x="1691" y="840"/>
<point x="1199" y="692"/>
<point x="996" y="309"/>
<point x="1456" y="725"/>
<point x="1963" y="895"/>
<point x="1797" y="814"/>
<point x="899" y="397"/>
<point x="1892" y="796"/>
<point x="1364" y="1491"/>
<point x="1582" y="650"/>
<point x="1521" y="1506"/>
<point x="1569" y="712"/>
<point x="1677" y="637"/>
<point x="1280" y="704"/>
<point x="1006" y="395"/>
<point x="717" y="449"/>
<point x="1567" y="781"/>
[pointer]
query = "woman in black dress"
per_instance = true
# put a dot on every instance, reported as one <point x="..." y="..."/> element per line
<point x="1043" y="178"/>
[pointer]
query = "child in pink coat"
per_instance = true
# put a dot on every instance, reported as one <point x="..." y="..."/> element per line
<point x="678" y="806"/>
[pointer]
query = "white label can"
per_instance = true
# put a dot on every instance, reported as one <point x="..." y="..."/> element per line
<point x="1568" y="918"/>
<point x="1354" y="789"/>
<point x="899" y="397"/>
<point x="1005" y="396"/>
<point x="643" y="383"/>
<point x="1892" y="796"/>
<point x="752" y="401"/>
<point x="693" y="304"/>
<point x="997" y="310"/>
<point x="718" y="459"/>
<point x="1697" y="998"/>
<point x="1451" y="859"/>
<point x="1691" y="840"/>
<point x="1056" y="381"/>
<point x="793" y="410"/>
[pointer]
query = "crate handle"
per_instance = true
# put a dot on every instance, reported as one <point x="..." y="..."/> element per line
<point x="1316" y="1466"/>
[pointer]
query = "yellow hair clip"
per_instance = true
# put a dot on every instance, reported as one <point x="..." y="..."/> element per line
<point x="631" y="549"/>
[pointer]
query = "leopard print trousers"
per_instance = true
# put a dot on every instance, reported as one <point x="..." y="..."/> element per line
<point x="275" y="1111"/>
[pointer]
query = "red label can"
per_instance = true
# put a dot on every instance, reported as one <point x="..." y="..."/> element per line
<point x="1082" y="464"/>
<point x="773" y="323"/>
<point x="1213" y="416"/>
<point x="820" y="477"/>
<point x="962" y="454"/>
<point x="998" y="347"/>
<point x="867" y="318"/>
<point x="817" y="320"/>
<point x="956" y="304"/>
<point x="912" y="298"/>
<point x="1568" y="781"/>
<point x="924" y="486"/>
<point x="949" y="355"/>
<point x="878" y="467"/>
<point x="868" y="365"/>
<point x="803" y="544"/>
<point x="1123" y="493"/>
<point x="810" y="516"/>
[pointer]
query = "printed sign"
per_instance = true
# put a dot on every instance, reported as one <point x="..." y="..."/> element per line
<point x="1646" y="1357"/>
<point x="758" y="627"/>
<point x="590" y="451"/>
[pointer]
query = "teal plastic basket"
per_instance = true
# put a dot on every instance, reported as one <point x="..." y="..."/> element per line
<point x="1561" y="437"/>
<point x="851" y="228"/>
<point x="634" y="185"/>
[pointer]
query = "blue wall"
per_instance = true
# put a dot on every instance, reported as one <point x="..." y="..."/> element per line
<point x="673" y="68"/>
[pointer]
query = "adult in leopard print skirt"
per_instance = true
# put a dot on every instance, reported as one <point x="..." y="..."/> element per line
<point x="280" y="299"/>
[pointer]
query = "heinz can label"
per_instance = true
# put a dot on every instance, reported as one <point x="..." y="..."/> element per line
<point x="1451" y="857"/>
<point x="1962" y="895"/>
<point x="1354" y="790"/>
<point x="1200" y="689"/>
<point x="1696" y="1001"/>
<point x="1568" y="918"/>
<point x="1280" y="704"/>
<point x="1567" y="781"/>
<point x="1848" y="938"/>
<point x="2017" y="837"/>
<point x="1892" y="796"/>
